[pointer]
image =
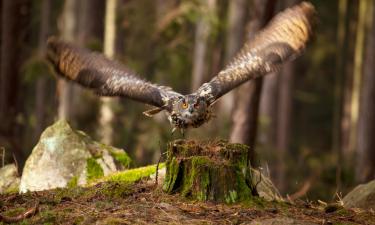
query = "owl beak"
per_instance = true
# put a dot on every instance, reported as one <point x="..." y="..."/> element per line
<point x="191" y="110"/>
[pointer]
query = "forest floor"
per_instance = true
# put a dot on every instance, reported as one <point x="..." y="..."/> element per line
<point x="145" y="203"/>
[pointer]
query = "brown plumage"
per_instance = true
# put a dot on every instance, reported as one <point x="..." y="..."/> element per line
<point x="283" y="39"/>
<point x="106" y="77"/>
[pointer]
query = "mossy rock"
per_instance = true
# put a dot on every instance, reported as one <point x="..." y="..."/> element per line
<point x="215" y="171"/>
<point x="66" y="157"/>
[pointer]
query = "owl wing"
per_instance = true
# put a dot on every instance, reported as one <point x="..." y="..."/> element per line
<point x="283" y="39"/>
<point x="106" y="77"/>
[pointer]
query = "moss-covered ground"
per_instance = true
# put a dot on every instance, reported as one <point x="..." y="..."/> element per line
<point x="134" y="199"/>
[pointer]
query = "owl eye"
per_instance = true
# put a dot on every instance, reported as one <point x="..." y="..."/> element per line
<point x="184" y="105"/>
<point x="196" y="105"/>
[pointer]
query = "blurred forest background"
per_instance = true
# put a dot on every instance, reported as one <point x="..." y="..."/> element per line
<point x="312" y="125"/>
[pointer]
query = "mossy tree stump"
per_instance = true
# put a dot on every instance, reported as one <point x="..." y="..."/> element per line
<point x="216" y="171"/>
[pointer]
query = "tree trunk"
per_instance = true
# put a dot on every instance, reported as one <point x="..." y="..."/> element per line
<point x="215" y="171"/>
<point x="345" y="128"/>
<point x="363" y="20"/>
<point x="202" y="33"/>
<point x="366" y="124"/>
<point x="91" y="26"/>
<point x="342" y="38"/>
<point x="106" y="110"/>
<point x="245" y="115"/>
<point x="285" y="101"/>
<point x="235" y="40"/>
<point x="68" y="29"/>
<point x="40" y="97"/>
<point x="13" y="20"/>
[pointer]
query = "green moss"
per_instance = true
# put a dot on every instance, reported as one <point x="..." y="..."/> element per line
<point x="48" y="217"/>
<point x="73" y="182"/>
<point x="70" y="193"/>
<point x="113" y="189"/>
<point x="12" y="190"/>
<point x="121" y="157"/>
<point x="94" y="170"/>
<point x="201" y="174"/>
<point x="231" y="197"/>
<point x="15" y="212"/>
<point x="133" y="175"/>
<point x="171" y="175"/>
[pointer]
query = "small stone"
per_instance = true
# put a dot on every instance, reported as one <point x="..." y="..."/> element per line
<point x="9" y="180"/>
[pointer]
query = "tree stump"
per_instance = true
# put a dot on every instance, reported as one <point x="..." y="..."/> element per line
<point x="216" y="171"/>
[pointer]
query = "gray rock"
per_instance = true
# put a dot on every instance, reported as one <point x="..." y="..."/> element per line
<point x="66" y="157"/>
<point x="363" y="196"/>
<point x="279" y="221"/>
<point x="9" y="180"/>
<point x="265" y="188"/>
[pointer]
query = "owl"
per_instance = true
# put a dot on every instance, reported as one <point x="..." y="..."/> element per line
<point x="283" y="39"/>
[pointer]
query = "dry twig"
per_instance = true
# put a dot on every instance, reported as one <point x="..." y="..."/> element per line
<point x="15" y="219"/>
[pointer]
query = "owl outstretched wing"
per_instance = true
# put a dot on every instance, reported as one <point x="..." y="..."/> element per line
<point x="106" y="77"/>
<point x="283" y="39"/>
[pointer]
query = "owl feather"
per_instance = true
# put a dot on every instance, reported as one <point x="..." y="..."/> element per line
<point x="283" y="39"/>
<point x="106" y="77"/>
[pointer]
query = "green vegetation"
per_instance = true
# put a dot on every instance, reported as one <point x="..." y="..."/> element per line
<point x="215" y="171"/>
<point x="121" y="156"/>
<point x="94" y="170"/>
<point x="133" y="175"/>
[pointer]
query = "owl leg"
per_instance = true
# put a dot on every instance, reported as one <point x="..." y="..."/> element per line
<point x="182" y="132"/>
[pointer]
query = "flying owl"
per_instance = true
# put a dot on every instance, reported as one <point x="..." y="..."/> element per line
<point x="283" y="39"/>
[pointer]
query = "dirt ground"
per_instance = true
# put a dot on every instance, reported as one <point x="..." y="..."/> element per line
<point x="145" y="203"/>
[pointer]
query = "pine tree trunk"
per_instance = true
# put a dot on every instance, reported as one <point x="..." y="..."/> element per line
<point x="366" y="124"/>
<point x="345" y="128"/>
<point x="363" y="23"/>
<point x="68" y="30"/>
<point x="13" y="17"/>
<point x="106" y="110"/>
<point x="245" y="115"/>
<point x="40" y="97"/>
<point x="235" y="39"/>
<point x="202" y="33"/>
<point x="342" y="38"/>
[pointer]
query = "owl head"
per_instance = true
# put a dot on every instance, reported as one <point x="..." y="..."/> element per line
<point x="189" y="111"/>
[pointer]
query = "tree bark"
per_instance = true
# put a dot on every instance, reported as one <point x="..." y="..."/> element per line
<point x="91" y="25"/>
<point x="40" y="97"/>
<point x="235" y="39"/>
<point x="345" y="127"/>
<point x="366" y="118"/>
<point x="214" y="171"/>
<point x="14" y="17"/>
<point x="106" y="110"/>
<point x="342" y="38"/>
<point x="245" y="115"/>
<point x="202" y="33"/>
<point x="68" y="29"/>
<point x="363" y="22"/>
